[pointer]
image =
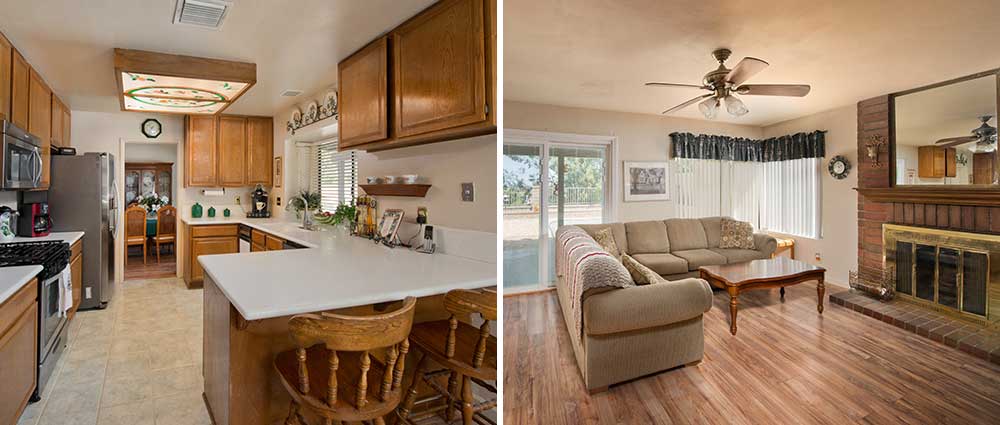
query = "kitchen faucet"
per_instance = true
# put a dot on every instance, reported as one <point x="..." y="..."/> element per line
<point x="307" y="221"/>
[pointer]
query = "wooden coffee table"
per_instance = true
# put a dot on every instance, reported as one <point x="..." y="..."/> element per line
<point x="762" y="274"/>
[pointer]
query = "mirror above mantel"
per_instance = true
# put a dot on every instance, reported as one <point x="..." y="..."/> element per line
<point x="944" y="136"/>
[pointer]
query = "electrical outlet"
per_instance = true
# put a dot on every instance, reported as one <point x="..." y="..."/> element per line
<point x="819" y="257"/>
<point x="237" y="199"/>
<point x="277" y="201"/>
<point x="468" y="192"/>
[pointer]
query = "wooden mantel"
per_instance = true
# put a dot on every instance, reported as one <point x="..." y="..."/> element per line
<point x="944" y="195"/>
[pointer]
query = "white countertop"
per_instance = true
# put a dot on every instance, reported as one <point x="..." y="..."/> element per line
<point x="337" y="271"/>
<point x="68" y="237"/>
<point x="12" y="279"/>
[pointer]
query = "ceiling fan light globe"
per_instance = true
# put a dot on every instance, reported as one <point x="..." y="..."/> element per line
<point x="709" y="108"/>
<point x="735" y="106"/>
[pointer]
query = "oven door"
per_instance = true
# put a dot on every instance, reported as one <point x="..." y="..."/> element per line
<point x="22" y="164"/>
<point x="51" y="312"/>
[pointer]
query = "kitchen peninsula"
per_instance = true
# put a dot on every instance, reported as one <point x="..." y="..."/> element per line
<point x="249" y="298"/>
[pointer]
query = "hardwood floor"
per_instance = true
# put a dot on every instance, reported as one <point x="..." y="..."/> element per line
<point x="787" y="364"/>
<point x="135" y="270"/>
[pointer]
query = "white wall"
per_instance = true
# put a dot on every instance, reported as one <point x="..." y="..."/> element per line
<point x="640" y="137"/>
<point x="838" y="247"/>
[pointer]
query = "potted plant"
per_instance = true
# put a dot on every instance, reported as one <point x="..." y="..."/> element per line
<point x="296" y="204"/>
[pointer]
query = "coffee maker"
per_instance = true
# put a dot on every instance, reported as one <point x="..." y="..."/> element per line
<point x="259" y="203"/>
<point x="33" y="220"/>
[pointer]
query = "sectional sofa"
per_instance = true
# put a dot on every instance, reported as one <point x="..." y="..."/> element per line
<point x="635" y="331"/>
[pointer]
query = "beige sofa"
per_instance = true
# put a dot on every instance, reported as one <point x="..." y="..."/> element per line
<point x="636" y="331"/>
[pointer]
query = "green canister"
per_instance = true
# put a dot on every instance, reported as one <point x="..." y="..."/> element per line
<point x="196" y="210"/>
<point x="225" y="212"/>
<point x="211" y="211"/>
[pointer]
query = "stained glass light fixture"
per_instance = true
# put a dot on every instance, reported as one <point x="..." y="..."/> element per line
<point x="165" y="83"/>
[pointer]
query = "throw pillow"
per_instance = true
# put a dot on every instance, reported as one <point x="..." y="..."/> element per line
<point x="641" y="274"/>
<point x="606" y="240"/>
<point x="736" y="234"/>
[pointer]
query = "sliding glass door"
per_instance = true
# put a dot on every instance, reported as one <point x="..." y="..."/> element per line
<point x="571" y="188"/>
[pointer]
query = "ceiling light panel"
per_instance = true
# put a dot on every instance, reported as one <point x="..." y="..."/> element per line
<point x="142" y="92"/>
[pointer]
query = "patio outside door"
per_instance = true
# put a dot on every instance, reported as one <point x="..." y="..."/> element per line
<point x="571" y="188"/>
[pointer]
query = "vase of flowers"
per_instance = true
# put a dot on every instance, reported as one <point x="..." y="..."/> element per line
<point x="152" y="202"/>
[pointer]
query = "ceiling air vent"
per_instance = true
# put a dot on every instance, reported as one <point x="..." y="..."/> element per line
<point x="291" y="93"/>
<point x="201" y="13"/>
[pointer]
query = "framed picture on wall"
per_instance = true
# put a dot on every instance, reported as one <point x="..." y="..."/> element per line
<point x="646" y="181"/>
<point x="277" y="172"/>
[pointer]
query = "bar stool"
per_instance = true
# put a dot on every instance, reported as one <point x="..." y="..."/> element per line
<point x="329" y="372"/>
<point x="466" y="353"/>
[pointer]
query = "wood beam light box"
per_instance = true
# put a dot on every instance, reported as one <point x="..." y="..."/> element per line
<point x="160" y="82"/>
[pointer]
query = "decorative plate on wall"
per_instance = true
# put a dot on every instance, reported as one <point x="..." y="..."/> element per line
<point x="839" y="167"/>
<point x="297" y="117"/>
<point x="312" y="113"/>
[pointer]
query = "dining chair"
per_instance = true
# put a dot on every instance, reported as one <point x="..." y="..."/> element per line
<point x="166" y="229"/>
<point x="346" y="368"/>
<point x="135" y="229"/>
<point x="467" y="353"/>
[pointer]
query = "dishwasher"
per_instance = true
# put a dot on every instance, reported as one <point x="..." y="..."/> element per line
<point x="244" y="233"/>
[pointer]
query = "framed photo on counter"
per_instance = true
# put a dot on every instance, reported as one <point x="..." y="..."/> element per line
<point x="389" y="224"/>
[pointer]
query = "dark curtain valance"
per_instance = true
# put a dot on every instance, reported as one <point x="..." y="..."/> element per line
<point x="726" y="148"/>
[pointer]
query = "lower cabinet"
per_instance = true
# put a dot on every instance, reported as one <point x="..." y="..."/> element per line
<point x="208" y="240"/>
<point x="18" y="347"/>
<point x="274" y="243"/>
<point x="263" y="241"/>
<point x="76" y="273"/>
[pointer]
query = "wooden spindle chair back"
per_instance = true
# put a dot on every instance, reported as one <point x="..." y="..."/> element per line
<point x="355" y="334"/>
<point x="166" y="221"/>
<point x="466" y="303"/>
<point x="135" y="221"/>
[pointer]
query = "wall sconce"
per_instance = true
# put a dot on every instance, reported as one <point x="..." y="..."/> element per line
<point x="873" y="147"/>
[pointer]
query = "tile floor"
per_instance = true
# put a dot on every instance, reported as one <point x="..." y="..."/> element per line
<point x="138" y="362"/>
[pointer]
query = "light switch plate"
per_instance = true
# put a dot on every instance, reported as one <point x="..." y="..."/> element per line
<point x="468" y="192"/>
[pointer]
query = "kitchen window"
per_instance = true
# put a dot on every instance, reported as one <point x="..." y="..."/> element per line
<point x="333" y="174"/>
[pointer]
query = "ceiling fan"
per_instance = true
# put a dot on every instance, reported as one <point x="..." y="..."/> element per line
<point x="985" y="137"/>
<point x="724" y="83"/>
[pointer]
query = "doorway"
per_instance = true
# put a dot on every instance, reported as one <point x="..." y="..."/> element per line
<point x="550" y="180"/>
<point x="150" y="220"/>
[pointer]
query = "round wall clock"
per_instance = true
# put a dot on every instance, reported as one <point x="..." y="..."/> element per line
<point x="839" y="167"/>
<point x="151" y="128"/>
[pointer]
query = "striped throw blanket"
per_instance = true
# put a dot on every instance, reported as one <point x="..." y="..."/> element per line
<point x="584" y="265"/>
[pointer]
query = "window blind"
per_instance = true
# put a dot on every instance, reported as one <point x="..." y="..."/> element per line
<point x="336" y="176"/>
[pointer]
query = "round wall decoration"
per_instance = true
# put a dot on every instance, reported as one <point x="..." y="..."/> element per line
<point x="839" y="167"/>
<point x="151" y="128"/>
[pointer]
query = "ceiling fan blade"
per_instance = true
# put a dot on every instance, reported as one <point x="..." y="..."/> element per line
<point x="955" y="143"/>
<point x="959" y="140"/>
<point x="688" y="103"/>
<point x="794" y="90"/>
<point x="748" y="67"/>
<point x="655" y="84"/>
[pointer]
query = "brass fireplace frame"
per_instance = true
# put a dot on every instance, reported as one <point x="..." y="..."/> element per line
<point x="961" y="241"/>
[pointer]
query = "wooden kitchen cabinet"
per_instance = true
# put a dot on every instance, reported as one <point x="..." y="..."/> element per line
<point x="201" y="151"/>
<point x="274" y="243"/>
<point x="258" y="240"/>
<point x="228" y="150"/>
<point x="443" y="80"/>
<point x="260" y="150"/>
<point x="6" y="51"/>
<point x="364" y="80"/>
<point x="20" y="77"/>
<point x="983" y="165"/>
<point x="60" y="122"/>
<point x="18" y="351"/>
<point x="40" y="120"/>
<point x="76" y="273"/>
<point x="936" y="162"/>
<point x="232" y="151"/>
<point x="207" y="240"/>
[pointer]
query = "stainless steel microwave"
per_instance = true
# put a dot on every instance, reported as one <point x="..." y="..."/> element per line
<point x="22" y="158"/>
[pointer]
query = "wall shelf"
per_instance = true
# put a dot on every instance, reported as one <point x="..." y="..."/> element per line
<point x="410" y="190"/>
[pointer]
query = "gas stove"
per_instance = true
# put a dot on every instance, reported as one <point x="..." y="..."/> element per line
<point x="53" y="256"/>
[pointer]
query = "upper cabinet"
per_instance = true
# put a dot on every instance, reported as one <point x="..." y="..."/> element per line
<point x="40" y="119"/>
<point x="260" y="150"/>
<point x="364" y="80"/>
<point x="6" y="51"/>
<point x="20" y="76"/>
<point x="443" y="73"/>
<point x="232" y="151"/>
<point x="60" y="123"/>
<point x="228" y="151"/>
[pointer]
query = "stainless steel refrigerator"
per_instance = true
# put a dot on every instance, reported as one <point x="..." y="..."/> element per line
<point x="82" y="197"/>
